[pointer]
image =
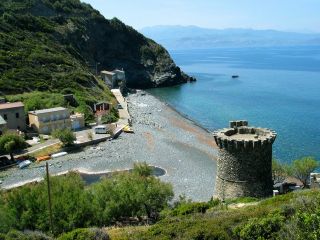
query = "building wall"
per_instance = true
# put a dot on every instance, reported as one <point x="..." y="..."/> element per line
<point x="109" y="79"/>
<point x="244" y="172"/>
<point x="15" y="118"/>
<point x="77" y="121"/>
<point x="45" y="123"/>
<point x="120" y="74"/>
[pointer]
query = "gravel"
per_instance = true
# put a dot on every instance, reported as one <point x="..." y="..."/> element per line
<point x="162" y="138"/>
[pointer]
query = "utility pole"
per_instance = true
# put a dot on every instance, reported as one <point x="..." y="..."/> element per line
<point x="49" y="197"/>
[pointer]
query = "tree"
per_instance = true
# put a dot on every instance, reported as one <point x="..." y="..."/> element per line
<point x="301" y="168"/>
<point x="142" y="169"/>
<point x="11" y="142"/>
<point x="135" y="194"/>
<point x="66" y="136"/>
<point x="71" y="205"/>
<point x="279" y="171"/>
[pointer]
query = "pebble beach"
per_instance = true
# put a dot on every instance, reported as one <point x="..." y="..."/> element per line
<point x="162" y="138"/>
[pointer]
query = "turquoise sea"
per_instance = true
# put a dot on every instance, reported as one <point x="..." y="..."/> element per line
<point x="278" y="88"/>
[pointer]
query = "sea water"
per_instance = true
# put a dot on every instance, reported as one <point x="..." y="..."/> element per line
<point x="277" y="88"/>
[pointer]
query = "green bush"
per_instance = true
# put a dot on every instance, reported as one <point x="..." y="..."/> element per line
<point x="111" y="117"/>
<point x="131" y="195"/>
<point x="71" y="205"/>
<point x="189" y="208"/>
<point x="11" y="142"/>
<point x="27" y="235"/>
<point x="85" y="234"/>
<point x="66" y="136"/>
<point x="108" y="118"/>
<point x="87" y="111"/>
<point x="262" y="229"/>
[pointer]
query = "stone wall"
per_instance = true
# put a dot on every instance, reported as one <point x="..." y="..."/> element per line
<point x="244" y="173"/>
<point x="245" y="162"/>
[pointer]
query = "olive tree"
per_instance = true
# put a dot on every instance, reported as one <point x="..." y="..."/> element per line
<point x="11" y="142"/>
<point x="66" y="136"/>
<point x="301" y="168"/>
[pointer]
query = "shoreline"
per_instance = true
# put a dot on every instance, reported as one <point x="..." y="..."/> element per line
<point x="183" y="115"/>
<point x="189" y="159"/>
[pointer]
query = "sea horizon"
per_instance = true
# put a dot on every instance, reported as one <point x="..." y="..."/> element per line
<point x="277" y="88"/>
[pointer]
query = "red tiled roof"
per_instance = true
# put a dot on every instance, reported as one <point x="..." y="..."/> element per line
<point x="11" y="105"/>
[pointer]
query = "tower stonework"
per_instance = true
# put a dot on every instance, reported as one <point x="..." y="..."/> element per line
<point x="245" y="161"/>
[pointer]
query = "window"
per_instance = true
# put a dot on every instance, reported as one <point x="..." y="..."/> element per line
<point x="17" y="115"/>
<point x="5" y="117"/>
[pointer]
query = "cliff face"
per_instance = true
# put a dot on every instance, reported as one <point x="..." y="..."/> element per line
<point x="115" y="45"/>
<point x="49" y="45"/>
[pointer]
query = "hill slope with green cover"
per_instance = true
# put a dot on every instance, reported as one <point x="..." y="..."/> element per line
<point x="54" y="45"/>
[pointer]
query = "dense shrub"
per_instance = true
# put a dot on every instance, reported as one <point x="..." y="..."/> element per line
<point x="38" y="100"/>
<point x="85" y="234"/>
<point x="27" y="235"/>
<point x="262" y="229"/>
<point x="131" y="194"/>
<point x="66" y="136"/>
<point x="111" y="117"/>
<point x="70" y="203"/>
<point x="11" y="142"/>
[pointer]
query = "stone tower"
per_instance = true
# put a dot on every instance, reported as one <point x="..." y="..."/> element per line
<point x="245" y="161"/>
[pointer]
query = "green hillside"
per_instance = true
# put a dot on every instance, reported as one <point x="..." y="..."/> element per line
<point x="53" y="46"/>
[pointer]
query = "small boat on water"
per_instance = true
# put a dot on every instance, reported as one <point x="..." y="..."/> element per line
<point x="235" y="76"/>
<point x="60" y="154"/>
<point x="24" y="164"/>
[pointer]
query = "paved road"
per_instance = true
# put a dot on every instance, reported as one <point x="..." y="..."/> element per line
<point x="123" y="113"/>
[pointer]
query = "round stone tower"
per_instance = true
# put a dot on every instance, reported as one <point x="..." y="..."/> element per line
<point x="245" y="161"/>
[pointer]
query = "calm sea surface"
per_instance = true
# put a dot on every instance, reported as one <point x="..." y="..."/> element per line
<point x="278" y="88"/>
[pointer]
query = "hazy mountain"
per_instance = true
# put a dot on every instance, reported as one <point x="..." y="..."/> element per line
<point x="186" y="37"/>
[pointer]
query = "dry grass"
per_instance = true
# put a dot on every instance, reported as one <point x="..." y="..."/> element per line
<point x="47" y="151"/>
<point x="125" y="233"/>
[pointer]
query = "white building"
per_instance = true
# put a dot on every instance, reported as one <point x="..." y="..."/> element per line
<point x="114" y="79"/>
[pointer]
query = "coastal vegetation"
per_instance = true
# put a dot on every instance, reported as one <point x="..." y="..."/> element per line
<point x="110" y="117"/>
<point x="66" y="136"/>
<point x="131" y="199"/>
<point x="299" y="169"/>
<point x="10" y="143"/>
<point x="131" y="196"/>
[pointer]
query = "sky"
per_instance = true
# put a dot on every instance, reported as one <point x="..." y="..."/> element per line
<point x="287" y="15"/>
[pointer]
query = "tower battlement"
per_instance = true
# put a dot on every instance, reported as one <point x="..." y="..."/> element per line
<point x="244" y="163"/>
<point x="242" y="137"/>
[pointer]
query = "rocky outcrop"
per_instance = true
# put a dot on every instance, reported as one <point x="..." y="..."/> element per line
<point x="112" y="44"/>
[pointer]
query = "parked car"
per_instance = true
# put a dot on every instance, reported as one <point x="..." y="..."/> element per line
<point x="101" y="129"/>
<point x="119" y="106"/>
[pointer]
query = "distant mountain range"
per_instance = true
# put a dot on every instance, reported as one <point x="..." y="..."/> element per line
<point x="192" y="37"/>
